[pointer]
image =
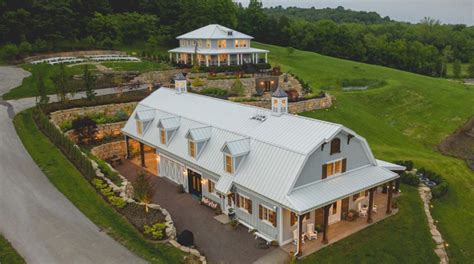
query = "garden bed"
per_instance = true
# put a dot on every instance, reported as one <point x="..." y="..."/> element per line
<point x="137" y="216"/>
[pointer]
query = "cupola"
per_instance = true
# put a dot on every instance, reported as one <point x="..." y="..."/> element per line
<point x="180" y="83"/>
<point x="279" y="102"/>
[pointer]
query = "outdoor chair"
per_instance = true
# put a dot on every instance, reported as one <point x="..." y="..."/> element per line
<point x="374" y="208"/>
<point x="295" y="237"/>
<point x="362" y="210"/>
<point x="310" y="232"/>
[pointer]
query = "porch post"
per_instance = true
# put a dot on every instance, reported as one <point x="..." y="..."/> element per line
<point x="127" y="147"/>
<point x="177" y="58"/>
<point x="326" y="224"/>
<point x="389" y="198"/>
<point x="299" y="250"/>
<point x="266" y="57"/>
<point x="218" y="60"/>
<point x="256" y="55"/>
<point x="228" y="59"/>
<point x="397" y="185"/>
<point x="192" y="59"/>
<point x="142" y="154"/>
<point x="207" y="60"/>
<point x="371" y="205"/>
<point x="171" y="57"/>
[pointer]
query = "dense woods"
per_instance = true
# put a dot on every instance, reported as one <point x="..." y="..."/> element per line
<point x="36" y="26"/>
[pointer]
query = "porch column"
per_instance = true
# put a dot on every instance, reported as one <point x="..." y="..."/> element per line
<point x="192" y="59"/>
<point x="171" y="57"/>
<point x="371" y="205"/>
<point x="266" y="57"/>
<point x="397" y="185"/>
<point x="142" y="154"/>
<point x="127" y="147"/>
<point x="256" y="56"/>
<point x="326" y="223"/>
<point x="389" y="198"/>
<point x="228" y="59"/>
<point x="218" y="60"/>
<point x="207" y="60"/>
<point x="299" y="250"/>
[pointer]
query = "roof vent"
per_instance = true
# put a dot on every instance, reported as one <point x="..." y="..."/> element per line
<point x="230" y="33"/>
<point x="259" y="116"/>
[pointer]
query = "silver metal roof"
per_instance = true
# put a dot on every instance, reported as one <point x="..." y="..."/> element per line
<point x="277" y="149"/>
<point x="199" y="134"/>
<point x="329" y="190"/>
<point x="145" y="115"/>
<point x="237" y="147"/>
<point x="214" y="31"/>
<point x="217" y="51"/>
<point x="390" y="166"/>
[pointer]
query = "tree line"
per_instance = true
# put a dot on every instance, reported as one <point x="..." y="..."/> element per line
<point x="35" y="26"/>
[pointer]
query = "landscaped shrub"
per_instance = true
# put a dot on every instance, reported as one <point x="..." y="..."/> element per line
<point x="85" y="129"/>
<point x="117" y="201"/>
<point x="214" y="91"/>
<point x="237" y="88"/>
<point x="98" y="183"/>
<point x="439" y="190"/>
<point x="407" y="163"/>
<point x="65" y="125"/>
<point x="197" y="82"/>
<point x="409" y="179"/>
<point x="107" y="171"/>
<point x="442" y="185"/>
<point x="156" y="231"/>
<point x="263" y="66"/>
<point x="142" y="190"/>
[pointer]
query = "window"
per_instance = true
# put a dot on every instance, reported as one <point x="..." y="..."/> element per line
<point x="283" y="106"/>
<point x="266" y="214"/>
<point x="333" y="168"/>
<point x="139" y="127"/>
<point x="294" y="218"/>
<point x="334" y="208"/>
<point x="236" y="42"/>
<point x="208" y="44"/>
<point x="228" y="164"/>
<point x="192" y="148"/>
<point x="335" y="146"/>
<point x="222" y="43"/>
<point x="163" y="136"/>
<point x="244" y="203"/>
<point x="211" y="186"/>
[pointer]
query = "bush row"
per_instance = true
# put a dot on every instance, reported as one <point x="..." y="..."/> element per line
<point x="441" y="187"/>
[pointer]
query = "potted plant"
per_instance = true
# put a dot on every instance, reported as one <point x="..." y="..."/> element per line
<point x="231" y="213"/>
<point x="234" y="223"/>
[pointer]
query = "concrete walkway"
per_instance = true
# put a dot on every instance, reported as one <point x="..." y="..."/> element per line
<point x="42" y="224"/>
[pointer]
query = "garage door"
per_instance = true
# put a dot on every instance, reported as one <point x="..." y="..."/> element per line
<point x="172" y="170"/>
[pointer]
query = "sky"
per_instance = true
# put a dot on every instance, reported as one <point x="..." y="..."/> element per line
<point x="447" y="11"/>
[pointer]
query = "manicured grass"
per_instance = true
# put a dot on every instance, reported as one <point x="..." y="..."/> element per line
<point x="8" y="254"/>
<point x="142" y="66"/>
<point x="396" y="239"/>
<point x="67" y="179"/>
<point x="404" y="119"/>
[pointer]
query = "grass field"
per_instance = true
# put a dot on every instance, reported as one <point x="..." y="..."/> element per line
<point x="56" y="166"/>
<point x="405" y="119"/>
<point x="142" y="66"/>
<point x="8" y="254"/>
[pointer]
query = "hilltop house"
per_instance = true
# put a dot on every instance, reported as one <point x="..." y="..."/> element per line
<point x="216" y="45"/>
<point x="276" y="171"/>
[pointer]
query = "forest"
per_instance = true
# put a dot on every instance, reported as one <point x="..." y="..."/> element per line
<point x="31" y="26"/>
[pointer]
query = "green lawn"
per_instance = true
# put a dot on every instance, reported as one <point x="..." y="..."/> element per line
<point x="402" y="238"/>
<point x="405" y="119"/>
<point x="142" y="66"/>
<point x="72" y="184"/>
<point x="8" y="254"/>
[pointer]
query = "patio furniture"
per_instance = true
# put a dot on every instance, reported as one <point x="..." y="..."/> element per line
<point x="310" y="232"/>
<point x="362" y="210"/>
<point x="295" y="237"/>
<point x="374" y="208"/>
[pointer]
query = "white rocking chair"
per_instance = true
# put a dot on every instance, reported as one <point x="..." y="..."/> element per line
<point x="362" y="211"/>
<point x="310" y="232"/>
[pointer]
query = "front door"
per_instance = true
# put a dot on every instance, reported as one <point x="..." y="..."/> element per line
<point x="194" y="183"/>
<point x="344" y="208"/>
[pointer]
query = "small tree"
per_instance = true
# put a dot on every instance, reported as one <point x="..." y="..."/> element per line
<point x="42" y="98"/>
<point x="89" y="83"/>
<point x="85" y="129"/>
<point x="290" y="51"/>
<point x="142" y="190"/>
<point x="457" y="69"/>
<point x="470" y="69"/>
<point x="237" y="88"/>
<point x="60" y="80"/>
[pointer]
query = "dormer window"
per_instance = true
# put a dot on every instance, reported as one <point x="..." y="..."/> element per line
<point x="139" y="127"/>
<point x="234" y="153"/>
<point x="192" y="148"/>
<point x="335" y="146"/>
<point x="229" y="164"/>
<point x="197" y="140"/>
<point x="143" y="119"/>
<point x="168" y="127"/>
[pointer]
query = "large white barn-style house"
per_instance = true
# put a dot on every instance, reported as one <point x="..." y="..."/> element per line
<point x="281" y="174"/>
<point x="216" y="45"/>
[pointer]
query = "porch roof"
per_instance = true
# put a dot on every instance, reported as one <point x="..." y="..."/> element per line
<point x="390" y="166"/>
<point x="217" y="51"/>
<point x="329" y="190"/>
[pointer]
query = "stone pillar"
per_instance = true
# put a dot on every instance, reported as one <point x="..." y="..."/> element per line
<point x="299" y="250"/>
<point x="326" y="224"/>
<point x="389" y="198"/>
<point x="127" y="147"/>
<point x="142" y="154"/>
<point x="371" y="205"/>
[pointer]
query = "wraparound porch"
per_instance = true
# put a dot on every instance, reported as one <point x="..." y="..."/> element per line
<point x="220" y="59"/>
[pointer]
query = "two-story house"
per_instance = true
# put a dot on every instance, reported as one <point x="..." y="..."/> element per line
<point x="277" y="171"/>
<point x="216" y="45"/>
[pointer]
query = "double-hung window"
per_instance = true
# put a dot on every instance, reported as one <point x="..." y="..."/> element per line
<point x="334" y="168"/>
<point x="267" y="215"/>
<point x="229" y="166"/>
<point x="244" y="203"/>
<point x="192" y="148"/>
<point x="163" y="136"/>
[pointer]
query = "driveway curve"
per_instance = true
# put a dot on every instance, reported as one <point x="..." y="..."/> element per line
<point x="42" y="224"/>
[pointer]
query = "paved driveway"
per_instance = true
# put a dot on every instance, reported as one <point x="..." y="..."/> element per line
<point x="219" y="243"/>
<point x="42" y="224"/>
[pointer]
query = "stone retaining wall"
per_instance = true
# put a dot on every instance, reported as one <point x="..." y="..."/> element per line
<point x="61" y="116"/>
<point x="78" y="53"/>
<point x="103" y="130"/>
<point x="298" y="107"/>
<point x="163" y="77"/>
<point x="108" y="150"/>
<point x="226" y="84"/>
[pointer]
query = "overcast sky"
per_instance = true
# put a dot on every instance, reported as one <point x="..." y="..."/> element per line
<point x="448" y="11"/>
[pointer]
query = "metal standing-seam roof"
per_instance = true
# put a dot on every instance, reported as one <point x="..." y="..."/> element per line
<point x="145" y="115"/>
<point x="276" y="149"/>
<point x="199" y="134"/>
<point x="214" y="31"/>
<point x="390" y="166"/>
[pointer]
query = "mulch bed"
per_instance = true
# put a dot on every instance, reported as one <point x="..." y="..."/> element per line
<point x="136" y="215"/>
<point x="460" y="144"/>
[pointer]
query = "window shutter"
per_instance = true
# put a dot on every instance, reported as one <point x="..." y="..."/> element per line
<point x="237" y="199"/>
<point x="260" y="212"/>
<point x="249" y="209"/>
<point x="209" y="189"/>
<point x="324" y="172"/>
<point x="229" y="199"/>
<point x="274" y="219"/>
<point x="344" y="165"/>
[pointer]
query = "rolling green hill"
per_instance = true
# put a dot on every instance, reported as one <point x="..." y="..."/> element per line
<point x="404" y="119"/>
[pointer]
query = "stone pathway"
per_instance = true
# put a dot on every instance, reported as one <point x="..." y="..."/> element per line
<point x="425" y="194"/>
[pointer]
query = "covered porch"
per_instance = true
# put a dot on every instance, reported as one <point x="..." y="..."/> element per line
<point x="219" y="59"/>
<point x="343" y="228"/>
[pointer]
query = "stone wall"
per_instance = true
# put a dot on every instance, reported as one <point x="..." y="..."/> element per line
<point x="61" y="116"/>
<point x="298" y="107"/>
<point x="108" y="150"/>
<point x="103" y="130"/>
<point x="163" y="77"/>
<point x="77" y="53"/>
<point x="226" y="84"/>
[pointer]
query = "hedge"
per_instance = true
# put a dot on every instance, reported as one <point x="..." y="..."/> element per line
<point x="409" y="179"/>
